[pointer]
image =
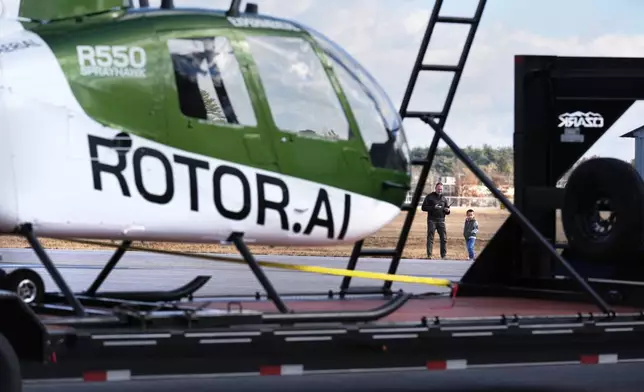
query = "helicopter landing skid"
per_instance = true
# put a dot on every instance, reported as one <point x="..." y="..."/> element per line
<point x="165" y="305"/>
<point x="185" y="291"/>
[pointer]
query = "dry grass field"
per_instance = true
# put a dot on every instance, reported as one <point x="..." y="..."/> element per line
<point x="490" y="219"/>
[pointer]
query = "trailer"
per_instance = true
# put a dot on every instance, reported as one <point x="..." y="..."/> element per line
<point x="523" y="302"/>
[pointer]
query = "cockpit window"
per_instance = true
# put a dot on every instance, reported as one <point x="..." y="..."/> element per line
<point x="299" y="92"/>
<point x="358" y="72"/>
<point x="209" y="81"/>
<point x="379" y="122"/>
<point x="370" y="120"/>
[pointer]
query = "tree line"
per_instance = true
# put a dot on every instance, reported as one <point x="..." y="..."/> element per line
<point x="496" y="162"/>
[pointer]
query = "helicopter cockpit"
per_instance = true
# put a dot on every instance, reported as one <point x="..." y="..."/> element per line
<point x="378" y="120"/>
<point x="302" y="97"/>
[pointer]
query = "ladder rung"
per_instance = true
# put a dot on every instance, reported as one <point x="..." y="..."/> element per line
<point x="456" y="19"/>
<point x="440" y="67"/>
<point x="407" y="207"/>
<point x="378" y="252"/>
<point x="419" y="162"/>
<point x="423" y="114"/>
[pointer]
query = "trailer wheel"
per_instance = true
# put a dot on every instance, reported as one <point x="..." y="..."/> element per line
<point x="27" y="284"/>
<point x="609" y="187"/>
<point x="10" y="375"/>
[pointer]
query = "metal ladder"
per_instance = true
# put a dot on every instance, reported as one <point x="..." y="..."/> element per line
<point x="439" y="118"/>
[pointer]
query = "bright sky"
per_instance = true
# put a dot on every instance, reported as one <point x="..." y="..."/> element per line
<point x="384" y="36"/>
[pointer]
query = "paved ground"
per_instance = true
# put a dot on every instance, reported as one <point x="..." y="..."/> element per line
<point x="613" y="378"/>
<point x="151" y="271"/>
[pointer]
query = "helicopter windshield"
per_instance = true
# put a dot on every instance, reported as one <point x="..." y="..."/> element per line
<point x="299" y="93"/>
<point x="379" y="122"/>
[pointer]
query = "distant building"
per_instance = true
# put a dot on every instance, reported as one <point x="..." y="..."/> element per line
<point x="638" y="135"/>
<point x="448" y="180"/>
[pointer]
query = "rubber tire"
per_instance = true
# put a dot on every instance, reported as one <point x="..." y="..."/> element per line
<point x="12" y="280"/>
<point x="621" y="183"/>
<point x="10" y="375"/>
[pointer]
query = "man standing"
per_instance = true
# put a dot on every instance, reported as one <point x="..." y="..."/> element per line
<point x="435" y="204"/>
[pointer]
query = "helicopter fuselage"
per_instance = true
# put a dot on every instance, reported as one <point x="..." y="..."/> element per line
<point x="165" y="126"/>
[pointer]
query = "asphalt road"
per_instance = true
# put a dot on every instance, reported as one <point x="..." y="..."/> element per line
<point x="153" y="271"/>
<point x="613" y="378"/>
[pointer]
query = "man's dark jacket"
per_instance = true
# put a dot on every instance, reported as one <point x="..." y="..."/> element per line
<point x="429" y="205"/>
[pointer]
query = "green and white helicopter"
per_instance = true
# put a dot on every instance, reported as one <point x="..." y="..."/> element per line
<point x="123" y="121"/>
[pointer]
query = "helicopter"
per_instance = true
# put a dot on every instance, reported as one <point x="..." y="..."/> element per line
<point x="125" y="121"/>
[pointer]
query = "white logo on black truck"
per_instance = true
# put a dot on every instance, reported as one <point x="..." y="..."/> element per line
<point x="572" y="123"/>
<point x="581" y="120"/>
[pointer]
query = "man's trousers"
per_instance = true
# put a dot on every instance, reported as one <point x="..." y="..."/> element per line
<point x="438" y="226"/>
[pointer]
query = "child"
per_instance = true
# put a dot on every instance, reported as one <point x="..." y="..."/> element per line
<point x="470" y="228"/>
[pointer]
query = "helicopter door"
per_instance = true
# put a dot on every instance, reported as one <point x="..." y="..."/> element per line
<point x="312" y="128"/>
<point x="209" y="110"/>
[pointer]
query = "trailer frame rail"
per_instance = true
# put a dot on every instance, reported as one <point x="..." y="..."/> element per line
<point x="429" y="344"/>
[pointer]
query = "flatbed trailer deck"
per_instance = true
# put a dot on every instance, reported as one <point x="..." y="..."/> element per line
<point x="414" y="310"/>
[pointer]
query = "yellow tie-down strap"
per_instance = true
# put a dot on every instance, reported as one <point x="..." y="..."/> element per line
<point x="358" y="274"/>
<point x="294" y="267"/>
